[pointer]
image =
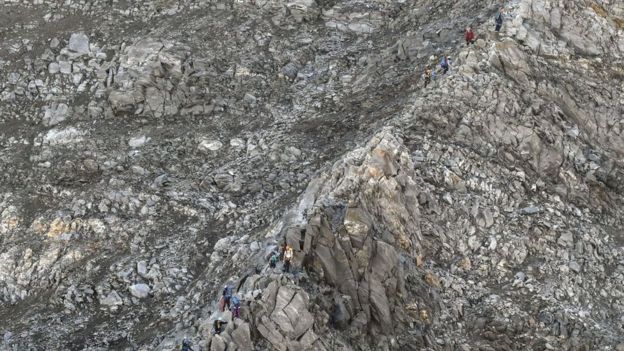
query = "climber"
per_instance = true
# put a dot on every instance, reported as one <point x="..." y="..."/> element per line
<point x="235" y="307"/>
<point x="427" y="76"/>
<point x="186" y="346"/>
<point x="444" y="64"/>
<point x="499" y="19"/>
<point x="218" y="325"/>
<point x="273" y="260"/>
<point x="335" y="315"/>
<point x="469" y="35"/>
<point x="227" y="296"/>
<point x="288" y="255"/>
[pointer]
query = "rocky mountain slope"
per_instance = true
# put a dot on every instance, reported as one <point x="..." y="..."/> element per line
<point x="153" y="151"/>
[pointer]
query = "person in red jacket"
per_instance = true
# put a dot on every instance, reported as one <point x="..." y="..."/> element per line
<point x="469" y="36"/>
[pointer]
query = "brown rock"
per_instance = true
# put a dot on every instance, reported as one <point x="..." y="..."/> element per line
<point x="432" y="279"/>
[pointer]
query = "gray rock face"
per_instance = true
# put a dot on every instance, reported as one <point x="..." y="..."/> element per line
<point x="359" y="260"/>
<point x="151" y="154"/>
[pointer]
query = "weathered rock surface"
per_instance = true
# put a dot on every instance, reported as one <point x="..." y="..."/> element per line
<point x="151" y="153"/>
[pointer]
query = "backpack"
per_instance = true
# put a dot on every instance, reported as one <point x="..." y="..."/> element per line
<point x="274" y="258"/>
<point x="185" y="346"/>
<point x="499" y="18"/>
<point x="227" y="292"/>
<point x="289" y="254"/>
<point x="235" y="301"/>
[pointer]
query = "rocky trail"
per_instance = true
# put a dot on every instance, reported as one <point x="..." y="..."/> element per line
<point x="153" y="151"/>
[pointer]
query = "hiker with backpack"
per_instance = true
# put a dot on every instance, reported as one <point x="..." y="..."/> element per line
<point x="227" y="297"/>
<point x="218" y="326"/>
<point x="186" y="345"/>
<point x="470" y="36"/>
<point x="499" y="19"/>
<point x="427" y="76"/>
<point x="288" y="256"/>
<point x="445" y="64"/>
<point x="273" y="260"/>
<point x="235" y="307"/>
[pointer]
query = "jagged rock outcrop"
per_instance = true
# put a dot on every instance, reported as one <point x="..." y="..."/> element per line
<point x="367" y="216"/>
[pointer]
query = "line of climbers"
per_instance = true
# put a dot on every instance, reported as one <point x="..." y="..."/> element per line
<point x="232" y="302"/>
<point x="470" y="37"/>
<point x="285" y="255"/>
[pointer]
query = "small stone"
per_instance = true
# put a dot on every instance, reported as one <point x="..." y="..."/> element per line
<point x="54" y="43"/>
<point x="529" y="210"/>
<point x="424" y="315"/>
<point x="575" y="266"/>
<point x="65" y="136"/>
<point x="290" y="70"/>
<point x="249" y="99"/>
<point x="138" y="141"/>
<point x="55" y="114"/>
<point x="53" y="68"/>
<point x="112" y="299"/>
<point x="294" y="151"/>
<point x="473" y="242"/>
<point x="593" y="157"/>
<point x="566" y="239"/>
<point x="222" y="180"/>
<point x="142" y="268"/>
<point x="423" y="199"/>
<point x="210" y="145"/>
<point x="465" y="264"/>
<point x="79" y="43"/>
<point x="138" y="170"/>
<point x="161" y="181"/>
<point x="447" y="198"/>
<point x="420" y="260"/>
<point x="65" y="67"/>
<point x="91" y="165"/>
<point x="432" y="279"/>
<point x="237" y="143"/>
<point x="140" y="291"/>
<point x="223" y="244"/>
<point x="520" y="277"/>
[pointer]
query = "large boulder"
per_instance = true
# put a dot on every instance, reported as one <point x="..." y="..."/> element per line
<point x="282" y="317"/>
<point x="146" y="79"/>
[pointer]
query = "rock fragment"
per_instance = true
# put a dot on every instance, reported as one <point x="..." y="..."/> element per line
<point x="79" y="43"/>
<point x="140" y="291"/>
